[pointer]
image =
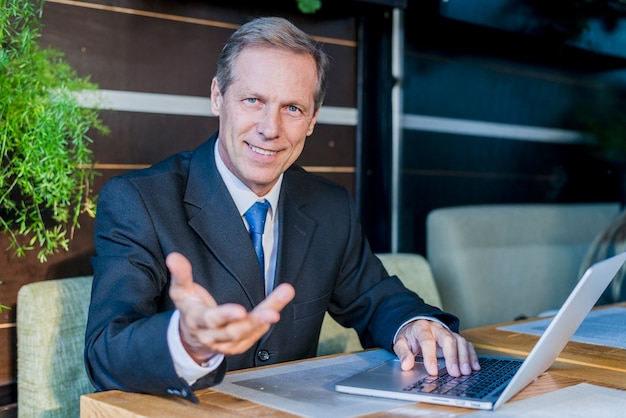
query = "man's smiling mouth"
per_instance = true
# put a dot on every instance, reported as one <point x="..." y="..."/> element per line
<point x="261" y="151"/>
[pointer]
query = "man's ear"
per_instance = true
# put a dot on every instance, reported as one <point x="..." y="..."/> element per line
<point x="216" y="97"/>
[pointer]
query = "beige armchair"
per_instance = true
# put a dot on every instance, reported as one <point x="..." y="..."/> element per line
<point x="51" y="322"/>
<point x="415" y="273"/>
<point x="495" y="263"/>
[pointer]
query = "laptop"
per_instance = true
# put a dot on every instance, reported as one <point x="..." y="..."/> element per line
<point x="387" y="380"/>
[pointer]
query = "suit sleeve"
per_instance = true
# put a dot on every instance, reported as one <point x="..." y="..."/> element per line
<point x="126" y="338"/>
<point x="367" y="299"/>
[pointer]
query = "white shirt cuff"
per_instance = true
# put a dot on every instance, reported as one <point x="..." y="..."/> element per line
<point x="184" y="365"/>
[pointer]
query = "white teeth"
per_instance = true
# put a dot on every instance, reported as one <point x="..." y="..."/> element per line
<point x="262" y="151"/>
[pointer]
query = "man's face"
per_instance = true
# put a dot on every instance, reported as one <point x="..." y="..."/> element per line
<point x="266" y="114"/>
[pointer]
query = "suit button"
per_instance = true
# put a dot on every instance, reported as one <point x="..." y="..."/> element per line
<point x="178" y="392"/>
<point x="175" y="392"/>
<point x="263" y="355"/>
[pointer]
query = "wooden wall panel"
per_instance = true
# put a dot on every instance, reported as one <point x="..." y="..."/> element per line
<point x="146" y="138"/>
<point x="122" y="51"/>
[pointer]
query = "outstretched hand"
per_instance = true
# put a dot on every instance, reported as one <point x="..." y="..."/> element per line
<point x="207" y="328"/>
<point x="432" y="340"/>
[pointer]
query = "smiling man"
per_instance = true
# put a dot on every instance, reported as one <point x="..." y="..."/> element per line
<point x="181" y="292"/>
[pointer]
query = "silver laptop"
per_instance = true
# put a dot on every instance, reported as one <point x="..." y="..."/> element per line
<point x="511" y="375"/>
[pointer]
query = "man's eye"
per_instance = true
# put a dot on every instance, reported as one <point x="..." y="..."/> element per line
<point x="251" y="100"/>
<point x="293" y="109"/>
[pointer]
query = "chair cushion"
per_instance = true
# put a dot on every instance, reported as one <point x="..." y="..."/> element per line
<point x="51" y="322"/>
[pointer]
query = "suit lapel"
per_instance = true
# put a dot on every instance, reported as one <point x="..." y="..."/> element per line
<point x="296" y="232"/>
<point x="214" y="217"/>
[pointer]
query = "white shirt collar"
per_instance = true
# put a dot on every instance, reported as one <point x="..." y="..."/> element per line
<point x="241" y="194"/>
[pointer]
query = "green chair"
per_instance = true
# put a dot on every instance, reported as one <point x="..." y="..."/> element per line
<point x="51" y="322"/>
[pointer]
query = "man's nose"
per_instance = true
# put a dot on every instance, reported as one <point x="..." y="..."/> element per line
<point x="270" y="123"/>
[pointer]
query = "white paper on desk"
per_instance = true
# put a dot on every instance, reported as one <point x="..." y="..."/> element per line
<point x="581" y="401"/>
<point x="307" y="388"/>
<point x="601" y="327"/>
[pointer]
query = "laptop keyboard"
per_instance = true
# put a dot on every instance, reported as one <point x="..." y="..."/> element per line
<point x="493" y="373"/>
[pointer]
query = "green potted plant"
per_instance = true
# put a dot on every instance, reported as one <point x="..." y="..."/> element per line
<point x="46" y="166"/>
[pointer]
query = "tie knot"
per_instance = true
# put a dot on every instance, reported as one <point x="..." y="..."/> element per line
<point x="256" y="215"/>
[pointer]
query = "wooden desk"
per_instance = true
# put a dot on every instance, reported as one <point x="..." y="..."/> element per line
<point x="600" y="365"/>
<point x="578" y="363"/>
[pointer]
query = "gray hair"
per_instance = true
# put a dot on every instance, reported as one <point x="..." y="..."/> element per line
<point x="275" y="32"/>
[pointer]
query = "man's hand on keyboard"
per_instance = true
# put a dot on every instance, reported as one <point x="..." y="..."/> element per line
<point x="431" y="339"/>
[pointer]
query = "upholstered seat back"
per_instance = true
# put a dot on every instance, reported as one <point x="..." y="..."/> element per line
<point x="494" y="263"/>
<point x="51" y="322"/>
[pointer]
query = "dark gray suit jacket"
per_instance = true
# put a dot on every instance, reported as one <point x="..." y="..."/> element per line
<point x="182" y="204"/>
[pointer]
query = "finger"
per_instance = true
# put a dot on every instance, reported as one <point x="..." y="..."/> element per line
<point x="182" y="287"/>
<point x="280" y="297"/>
<point x="452" y="345"/>
<point x="404" y="353"/>
<point x="237" y="346"/>
<point x="222" y="315"/>
<point x="236" y="337"/>
<point x="180" y="269"/>
<point x="200" y="327"/>
<point x="473" y="357"/>
<point x="464" y="350"/>
<point x="269" y="309"/>
<point x="230" y="327"/>
<point x="463" y="355"/>
<point x="468" y="359"/>
<point x="427" y="341"/>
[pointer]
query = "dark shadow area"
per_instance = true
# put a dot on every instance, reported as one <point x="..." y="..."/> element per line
<point x="77" y="265"/>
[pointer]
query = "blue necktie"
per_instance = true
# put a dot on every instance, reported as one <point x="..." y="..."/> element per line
<point x="255" y="216"/>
